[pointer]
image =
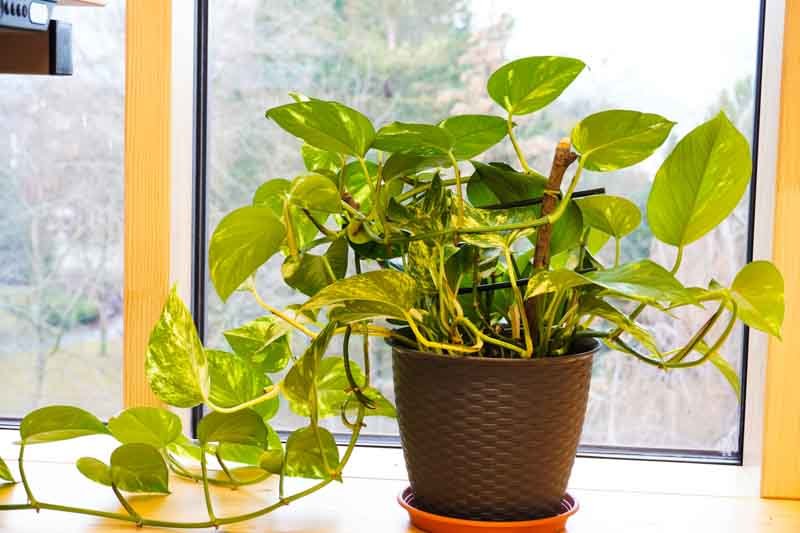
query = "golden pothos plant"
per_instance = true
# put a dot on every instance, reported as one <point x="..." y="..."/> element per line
<point x="405" y="233"/>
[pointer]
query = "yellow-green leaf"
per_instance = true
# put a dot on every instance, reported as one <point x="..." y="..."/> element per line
<point x="139" y="468"/>
<point x="700" y="183"/>
<point x="59" y="422"/>
<point x="474" y="134"/>
<point x="529" y="84"/>
<point x="307" y="456"/>
<point x="423" y="140"/>
<point x="618" y="138"/>
<point x="325" y="125"/>
<point x="145" y="425"/>
<point x="176" y="365"/>
<point x="758" y="292"/>
<point x="243" y="241"/>
<point x="389" y="293"/>
<point x="264" y="342"/>
<point x="612" y="215"/>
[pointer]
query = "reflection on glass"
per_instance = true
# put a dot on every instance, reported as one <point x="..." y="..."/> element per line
<point x="61" y="225"/>
<point x="424" y="60"/>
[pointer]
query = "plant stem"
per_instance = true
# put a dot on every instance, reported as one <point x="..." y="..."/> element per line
<point x="224" y="467"/>
<point x="272" y="392"/>
<point x="482" y="336"/>
<point x="128" y="507"/>
<point x="526" y="327"/>
<point x="639" y="308"/>
<point x="718" y="344"/>
<point x="459" y="192"/>
<point x="206" y="491"/>
<point x="440" y="345"/>
<point x="617" y="251"/>
<point x="515" y="144"/>
<point x="290" y="237"/>
<point x="21" y="461"/>
<point x="286" y="318"/>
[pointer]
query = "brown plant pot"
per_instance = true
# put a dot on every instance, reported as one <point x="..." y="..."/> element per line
<point x="487" y="438"/>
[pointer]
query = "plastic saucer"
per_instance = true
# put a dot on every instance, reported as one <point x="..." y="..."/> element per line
<point x="433" y="523"/>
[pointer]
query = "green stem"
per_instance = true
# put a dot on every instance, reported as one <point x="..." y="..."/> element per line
<point x="617" y="251"/>
<point x="128" y="507"/>
<point x="224" y="466"/>
<point x="321" y="227"/>
<point x="512" y="276"/>
<point x="272" y="392"/>
<point x="639" y="308"/>
<point x="517" y="149"/>
<point x="31" y="500"/>
<point x="206" y="491"/>
<point x="291" y="242"/>
<point x="491" y="340"/>
<point x="698" y="337"/>
<point x="718" y="344"/>
<point x="459" y="191"/>
<point x="280" y="314"/>
<point x="427" y="185"/>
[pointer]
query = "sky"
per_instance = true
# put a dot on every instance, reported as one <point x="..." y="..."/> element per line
<point x="671" y="57"/>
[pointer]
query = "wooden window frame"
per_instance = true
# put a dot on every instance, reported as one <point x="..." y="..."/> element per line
<point x="158" y="218"/>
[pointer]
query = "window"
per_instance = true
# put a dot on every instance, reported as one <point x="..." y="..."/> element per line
<point x="423" y="60"/>
<point x="61" y="194"/>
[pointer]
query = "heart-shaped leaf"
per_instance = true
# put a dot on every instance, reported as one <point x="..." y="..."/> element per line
<point x="529" y="84"/>
<point x="234" y="381"/>
<point x="700" y="182"/>
<point x="644" y="281"/>
<point x="273" y="194"/>
<point x="308" y="457"/>
<point x="243" y="241"/>
<point x="618" y="138"/>
<point x="309" y="273"/>
<point x="183" y="447"/>
<point x="316" y="193"/>
<point x="95" y="469"/>
<point x="474" y="134"/>
<point x="567" y="230"/>
<point x="264" y="342"/>
<point x="612" y="215"/>
<point x="320" y="161"/>
<point x="5" y="473"/>
<point x="297" y="386"/>
<point x="328" y="126"/>
<point x="146" y="425"/>
<point x="422" y="140"/>
<point x="388" y="293"/>
<point x="547" y="281"/>
<point x="139" y="468"/>
<point x="591" y="306"/>
<point x="241" y="427"/>
<point x="400" y="164"/>
<point x="505" y="184"/>
<point x="59" y="422"/>
<point x="332" y="387"/>
<point x="758" y="292"/>
<point x="176" y="365"/>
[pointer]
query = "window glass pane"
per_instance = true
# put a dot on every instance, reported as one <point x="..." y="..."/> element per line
<point x="61" y="225"/>
<point x="424" y="60"/>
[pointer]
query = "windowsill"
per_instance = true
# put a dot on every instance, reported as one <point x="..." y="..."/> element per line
<point x="616" y="496"/>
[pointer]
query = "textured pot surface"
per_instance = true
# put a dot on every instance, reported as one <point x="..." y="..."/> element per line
<point x="490" y="439"/>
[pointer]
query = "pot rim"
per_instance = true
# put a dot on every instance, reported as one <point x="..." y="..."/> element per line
<point x="587" y="350"/>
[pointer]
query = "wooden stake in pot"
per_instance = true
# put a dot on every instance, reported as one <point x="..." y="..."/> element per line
<point x="562" y="159"/>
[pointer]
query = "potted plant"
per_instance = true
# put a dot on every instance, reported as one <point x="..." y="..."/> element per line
<point x="487" y="285"/>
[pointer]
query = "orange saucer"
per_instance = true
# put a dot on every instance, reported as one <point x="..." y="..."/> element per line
<point x="433" y="523"/>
